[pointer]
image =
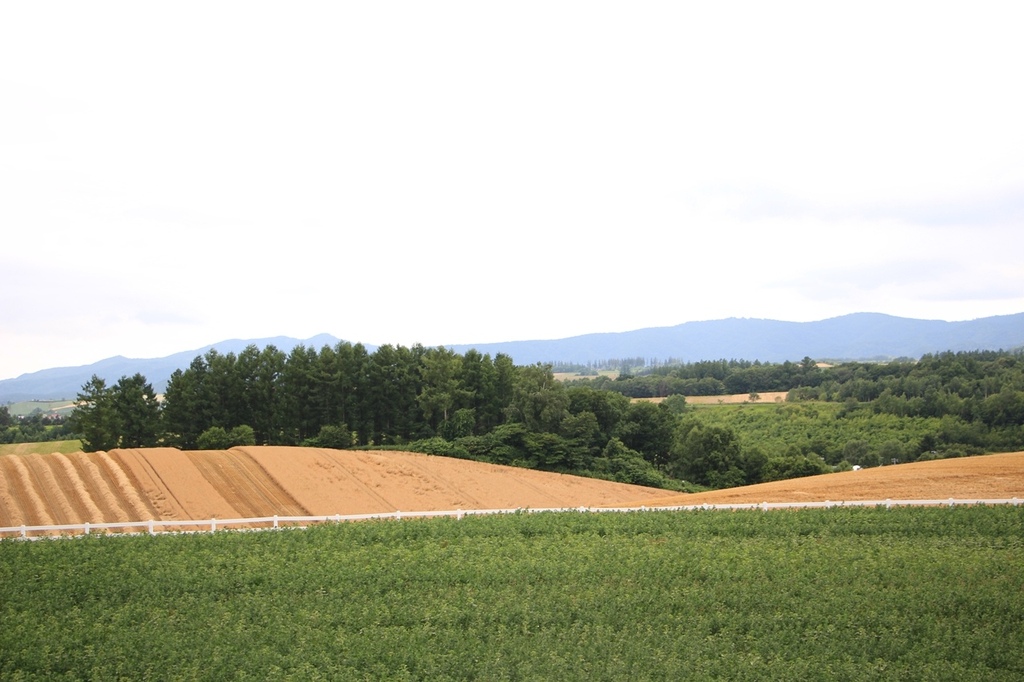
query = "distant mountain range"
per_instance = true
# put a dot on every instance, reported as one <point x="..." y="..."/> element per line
<point x="861" y="336"/>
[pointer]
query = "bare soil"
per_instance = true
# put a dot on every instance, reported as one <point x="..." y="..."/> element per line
<point x="984" y="477"/>
<point x="167" y="484"/>
<point x="732" y="399"/>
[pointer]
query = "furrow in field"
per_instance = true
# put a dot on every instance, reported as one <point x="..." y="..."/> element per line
<point x="481" y="485"/>
<point x="276" y="500"/>
<point x="33" y="508"/>
<point x="56" y="504"/>
<point x="459" y="496"/>
<point x="421" y="487"/>
<point x="126" y="493"/>
<point x="70" y="486"/>
<point x="150" y="485"/>
<point x="189" y="487"/>
<point x="319" y="482"/>
<point x="93" y="495"/>
<point x="221" y="471"/>
<point x="12" y="502"/>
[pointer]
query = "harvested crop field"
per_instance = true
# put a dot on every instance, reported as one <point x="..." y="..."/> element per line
<point x="983" y="477"/>
<point x="165" y="484"/>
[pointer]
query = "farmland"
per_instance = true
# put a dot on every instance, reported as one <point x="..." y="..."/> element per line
<point x="168" y="484"/>
<point x="932" y="593"/>
<point x="840" y="593"/>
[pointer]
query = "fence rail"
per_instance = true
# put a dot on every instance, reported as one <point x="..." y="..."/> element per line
<point x="270" y="522"/>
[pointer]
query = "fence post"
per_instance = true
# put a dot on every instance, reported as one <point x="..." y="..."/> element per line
<point x="213" y="525"/>
<point x="398" y="515"/>
<point x="458" y="514"/>
<point x="151" y="527"/>
<point x="951" y="502"/>
<point x="888" y="503"/>
<point x="24" y="533"/>
<point x="86" y="527"/>
<point x="275" y="520"/>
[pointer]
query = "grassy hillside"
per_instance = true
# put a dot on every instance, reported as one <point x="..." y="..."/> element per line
<point x="828" y="594"/>
<point x="27" y="407"/>
<point x="44" y="448"/>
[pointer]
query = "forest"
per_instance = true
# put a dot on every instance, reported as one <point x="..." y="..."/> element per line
<point x="489" y="409"/>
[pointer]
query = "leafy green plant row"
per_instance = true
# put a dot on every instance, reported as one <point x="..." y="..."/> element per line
<point x="819" y="594"/>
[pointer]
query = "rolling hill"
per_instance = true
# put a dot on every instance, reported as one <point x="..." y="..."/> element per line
<point x="165" y="484"/>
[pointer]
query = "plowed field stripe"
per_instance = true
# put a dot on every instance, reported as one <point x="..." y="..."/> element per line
<point x="34" y="506"/>
<point x="83" y="489"/>
<point x="65" y="489"/>
<point x="50" y="489"/>
<point x="10" y="507"/>
<point x="433" y="476"/>
<point x="331" y="455"/>
<point x="213" y="472"/>
<point x="120" y="459"/>
<point x="128" y="497"/>
<point x="280" y="499"/>
<point x="100" y="488"/>
<point x="244" y="484"/>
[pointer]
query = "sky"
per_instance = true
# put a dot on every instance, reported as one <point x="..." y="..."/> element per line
<point x="177" y="174"/>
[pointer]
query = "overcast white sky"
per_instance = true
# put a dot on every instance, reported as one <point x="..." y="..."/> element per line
<point x="176" y="174"/>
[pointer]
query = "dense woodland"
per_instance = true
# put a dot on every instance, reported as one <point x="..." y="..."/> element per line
<point x="475" y="406"/>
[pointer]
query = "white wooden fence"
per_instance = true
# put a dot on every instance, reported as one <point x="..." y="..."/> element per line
<point x="270" y="522"/>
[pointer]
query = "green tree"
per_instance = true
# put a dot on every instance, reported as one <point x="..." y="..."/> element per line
<point x="259" y="376"/>
<point x="187" y="408"/>
<point x="94" y="419"/>
<point x="619" y="463"/>
<point x="648" y="428"/>
<point x="539" y="401"/>
<point x="608" y="407"/>
<point x="126" y="415"/>
<point x="441" y="391"/>
<point x="223" y="387"/>
<point x="583" y="432"/>
<point x="218" y="438"/>
<point x="349" y="401"/>
<point x="480" y="379"/>
<point x="137" y="412"/>
<point x="393" y="383"/>
<point x="304" y="396"/>
<point x="214" y="438"/>
<point x="460" y="425"/>
<point x="708" y="455"/>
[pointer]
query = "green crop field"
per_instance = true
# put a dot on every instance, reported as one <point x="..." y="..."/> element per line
<point x="44" y="447"/>
<point x="27" y="407"/>
<point x="843" y="593"/>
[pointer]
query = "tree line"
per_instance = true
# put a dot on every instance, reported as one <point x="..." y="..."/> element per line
<point x="984" y="386"/>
